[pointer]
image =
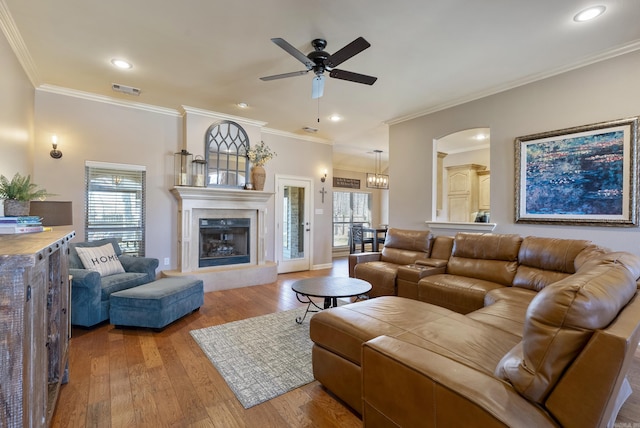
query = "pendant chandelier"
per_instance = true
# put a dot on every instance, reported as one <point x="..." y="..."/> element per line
<point x="377" y="180"/>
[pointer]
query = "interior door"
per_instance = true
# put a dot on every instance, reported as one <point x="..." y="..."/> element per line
<point x="293" y="227"/>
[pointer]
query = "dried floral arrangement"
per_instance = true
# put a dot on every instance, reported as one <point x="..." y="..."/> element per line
<point x="260" y="154"/>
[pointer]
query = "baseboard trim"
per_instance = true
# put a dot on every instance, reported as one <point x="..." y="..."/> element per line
<point x="323" y="266"/>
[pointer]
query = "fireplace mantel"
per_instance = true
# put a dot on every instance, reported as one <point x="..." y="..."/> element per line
<point x="224" y="195"/>
<point x="207" y="202"/>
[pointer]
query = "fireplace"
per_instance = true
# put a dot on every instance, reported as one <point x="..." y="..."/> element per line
<point x="221" y="237"/>
<point x="224" y="241"/>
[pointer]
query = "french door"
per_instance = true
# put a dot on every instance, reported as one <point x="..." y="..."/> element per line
<point x="293" y="227"/>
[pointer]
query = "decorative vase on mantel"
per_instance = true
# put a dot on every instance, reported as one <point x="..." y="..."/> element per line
<point x="258" y="177"/>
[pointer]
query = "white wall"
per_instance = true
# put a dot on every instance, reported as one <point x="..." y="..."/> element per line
<point x="89" y="128"/>
<point x="604" y="91"/>
<point x="303" y="158"/>
<point x="16" y="115"/>
<point x="99" y="131"/>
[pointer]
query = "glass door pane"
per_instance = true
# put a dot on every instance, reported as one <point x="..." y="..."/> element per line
<point x="349" y="208"/>
<point x="293" y="227"/>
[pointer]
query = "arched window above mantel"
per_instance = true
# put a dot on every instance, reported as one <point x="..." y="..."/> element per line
<point x="226" y="147"/>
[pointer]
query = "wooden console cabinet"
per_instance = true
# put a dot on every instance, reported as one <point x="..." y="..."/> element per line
<point x="34" y="325"/>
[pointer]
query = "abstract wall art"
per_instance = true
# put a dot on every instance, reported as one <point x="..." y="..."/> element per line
<point x="585" y="175"/>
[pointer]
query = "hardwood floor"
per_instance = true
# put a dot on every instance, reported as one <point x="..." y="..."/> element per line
<point x="140" y="378"/>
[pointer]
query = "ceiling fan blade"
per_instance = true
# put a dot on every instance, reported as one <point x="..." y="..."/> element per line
<point x="353" y="48"/>
<point x="353" y="77"/>
<point x="293" y="52"/>
<point x="282" y="76"/>
<point x="318" y="87"/>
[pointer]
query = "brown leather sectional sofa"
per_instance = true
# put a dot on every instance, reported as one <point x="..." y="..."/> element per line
<point x="517" y="331"/>
<point x="401" y="247"/>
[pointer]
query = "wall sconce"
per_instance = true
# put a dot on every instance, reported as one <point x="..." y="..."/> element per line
<point x="324" y="177"/>
<point x="55" y="153"/>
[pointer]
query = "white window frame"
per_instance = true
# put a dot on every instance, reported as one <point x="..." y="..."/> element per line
<point x="105" y="219"/>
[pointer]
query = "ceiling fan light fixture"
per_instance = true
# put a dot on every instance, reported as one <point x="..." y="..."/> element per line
<point x="589" y="14"/>
<point x="121" y="64"/>
<point x="320" y="61"/>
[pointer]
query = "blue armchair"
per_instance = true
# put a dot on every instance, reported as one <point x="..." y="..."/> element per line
<point x="90" y="292"/>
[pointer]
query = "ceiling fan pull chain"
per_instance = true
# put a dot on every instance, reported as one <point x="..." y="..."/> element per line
<point x="318" y="110"/>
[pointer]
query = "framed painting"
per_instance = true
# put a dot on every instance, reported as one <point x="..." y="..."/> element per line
<point x="587" y="175"/>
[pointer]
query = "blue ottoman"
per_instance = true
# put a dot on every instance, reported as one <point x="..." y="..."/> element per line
<point x="156" y="304"/>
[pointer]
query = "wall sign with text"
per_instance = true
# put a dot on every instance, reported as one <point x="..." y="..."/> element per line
<point x="349" y="183"/>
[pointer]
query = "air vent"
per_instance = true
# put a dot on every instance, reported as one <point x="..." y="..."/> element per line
<point x="125" y="89"/>
<point x="310" y="130"/>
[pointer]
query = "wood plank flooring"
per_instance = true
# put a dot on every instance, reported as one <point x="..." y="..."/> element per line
<point x="141" y="378"/>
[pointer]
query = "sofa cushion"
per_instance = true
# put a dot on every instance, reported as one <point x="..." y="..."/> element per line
<point x="511" y="294"/>
<point x="381" y="276"/>
<point x="561" y="319"/>
<point x="490" y="257"/>
<point x="103" y="259"/>
<point x="461" y="294"/>
<point x="543" y="261"/>
<point x="506" y="315"/>
<point x="344" y="329"/>
<point x="121" y="281"/>
<point x="403" y="246"/>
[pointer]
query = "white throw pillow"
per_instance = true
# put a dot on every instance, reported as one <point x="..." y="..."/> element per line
<point x="101" y="259"/>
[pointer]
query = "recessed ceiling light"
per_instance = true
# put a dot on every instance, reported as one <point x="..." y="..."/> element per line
<point x="335" y="118"/>
<point x="589" y="14"/>
<point x="480" y="137"/>
<point x="120" y="63"/>
<point x="242" y="105"/>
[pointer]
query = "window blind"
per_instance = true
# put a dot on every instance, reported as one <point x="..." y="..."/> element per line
<point x="115" y="205"/>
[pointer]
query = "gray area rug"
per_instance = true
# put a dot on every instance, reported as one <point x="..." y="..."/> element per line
<point x="262" y="357"/>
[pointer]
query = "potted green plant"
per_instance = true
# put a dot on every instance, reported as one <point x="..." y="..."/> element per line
<point x="18" y="193"/>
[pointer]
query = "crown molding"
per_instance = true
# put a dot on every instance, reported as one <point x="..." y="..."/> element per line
<point x="296" y="136"/>
<point x="220" y="116"/>
<point x="106" y="100"/>
<point x="10" y="30"/>
<point x="593" y="59"/>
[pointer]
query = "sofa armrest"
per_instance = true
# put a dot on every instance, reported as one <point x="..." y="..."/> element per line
<point x="86" y="297"/>
<point x="436" y="263"/>
<point x="141" y="265"/>
<point x="354" y="259"/>
<point x="430" y="389"/>
<point x="85" y="278"/>
<point x="409" y="276"/>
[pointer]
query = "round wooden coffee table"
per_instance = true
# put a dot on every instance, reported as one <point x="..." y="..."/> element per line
<point x="329" y="288"/>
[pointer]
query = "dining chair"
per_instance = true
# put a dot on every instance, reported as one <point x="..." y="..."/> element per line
<point x="356" y="237"/>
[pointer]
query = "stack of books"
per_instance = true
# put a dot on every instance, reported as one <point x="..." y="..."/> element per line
<point x="24" y="224"/>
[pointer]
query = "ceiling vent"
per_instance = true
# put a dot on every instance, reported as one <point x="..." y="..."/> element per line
<point x="310" y="129"/>
<point x="129" y="90"/>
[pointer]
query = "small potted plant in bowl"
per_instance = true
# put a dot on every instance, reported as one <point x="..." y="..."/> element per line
<point x="18" y="194"/>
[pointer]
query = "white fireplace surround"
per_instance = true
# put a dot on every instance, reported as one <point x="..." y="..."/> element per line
<point x="195" y="203"/>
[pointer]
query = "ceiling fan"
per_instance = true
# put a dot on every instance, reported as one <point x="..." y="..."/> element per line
<point x="320" y="61"/>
